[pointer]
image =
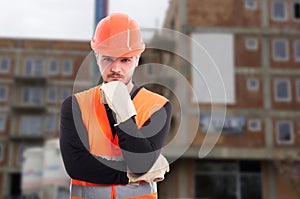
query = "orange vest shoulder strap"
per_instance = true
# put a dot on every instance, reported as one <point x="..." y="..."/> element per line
<point x="93" y="112"/>
<point x="146" y="103"/>
<point x="86" y="100"/>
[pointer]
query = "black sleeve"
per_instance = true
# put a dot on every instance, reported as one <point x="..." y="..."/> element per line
<point x="141" y="147"/>
<point x="80" y="164"/>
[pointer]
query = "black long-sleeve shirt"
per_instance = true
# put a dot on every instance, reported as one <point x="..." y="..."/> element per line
<point x="140" y="146"/>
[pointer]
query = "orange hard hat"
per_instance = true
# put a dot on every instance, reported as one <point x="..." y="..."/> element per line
<point x="118" y="35"/>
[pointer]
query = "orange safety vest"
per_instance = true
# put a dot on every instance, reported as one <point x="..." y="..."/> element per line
<point x="95" y="119"/>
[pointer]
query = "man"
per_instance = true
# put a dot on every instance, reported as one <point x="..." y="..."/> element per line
<point x="111" y="135"/>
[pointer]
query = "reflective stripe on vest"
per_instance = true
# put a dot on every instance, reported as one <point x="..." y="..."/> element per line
<point x="79" y="191"/>
<point x="116" y="158"/>
<point x="95" y="119"/>
<point x="130" y="191"/>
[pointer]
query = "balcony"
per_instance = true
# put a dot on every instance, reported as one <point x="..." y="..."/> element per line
<point x="33" y="127"/>
<point x="29" y="99"/>
<point x="28" y="138"/>
<point x="32" y="71"/>
<point x="32" y="108"/>
<point x="30" y="80"/>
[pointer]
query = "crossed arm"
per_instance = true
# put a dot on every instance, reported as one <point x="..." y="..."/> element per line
<point x="140" y="146"/>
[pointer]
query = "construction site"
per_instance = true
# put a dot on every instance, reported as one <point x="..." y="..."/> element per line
<point x="231" y="70"/>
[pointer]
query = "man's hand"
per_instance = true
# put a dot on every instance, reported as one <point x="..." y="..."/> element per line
<point x="118" y="99"/>
<point x="155" y="174"/>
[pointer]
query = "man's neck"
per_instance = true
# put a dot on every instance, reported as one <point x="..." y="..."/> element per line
<point x="130" y="86"/>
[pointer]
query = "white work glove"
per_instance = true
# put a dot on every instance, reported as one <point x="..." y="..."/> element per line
<point x="116" y="95"/>
<point x="155" y="174"/>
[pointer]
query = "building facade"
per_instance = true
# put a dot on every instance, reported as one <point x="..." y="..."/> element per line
<point x="35" y="77"/>
<point x="256" y="154"/>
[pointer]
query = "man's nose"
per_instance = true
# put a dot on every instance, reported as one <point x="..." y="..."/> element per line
<point x="116" y="66"/>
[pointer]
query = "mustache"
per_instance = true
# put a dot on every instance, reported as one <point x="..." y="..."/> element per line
<point x="115" y="75"/>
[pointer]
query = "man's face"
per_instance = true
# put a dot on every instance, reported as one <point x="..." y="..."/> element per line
<point x="117" y="69"/>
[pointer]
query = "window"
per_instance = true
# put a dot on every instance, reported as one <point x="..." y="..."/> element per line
<point x="250" y="4"/>
<point x="297" y="50"/>
<point x="34" y="67"/>
<point x="4" y="65"/>
<point x="50" y="123"/>
<point x="254" y="125"/>
<point x="39" y="67"/>
<point x="32" y="95"/>
<point x="21" y="150"/>
<point x="279" y="12"/>
<point x="51" y="95"/>
<point x="298" y="90"/>
<point x="26" y="95"/>
<point x="28" y="67"/>
<point x="30" y="125"/>
<point x="228" y="180"/>
<point x="64" y="93"/>
<point x="2" y="121"/>
<point x="252" y="84"/>
<point x="53" y="67"/>
<point x="284" y="131"/>
<point x="280" y="50"/>
<point x="282" y="90"/>
<point x="225" y="60"/>
<point x="251" y="44"/>
<point x="297" y="11"/>
<point x="231" y="124"/>
<point x="1" y="152"/>
<point x="67" y="67"/>
<point x="3" y="93"/>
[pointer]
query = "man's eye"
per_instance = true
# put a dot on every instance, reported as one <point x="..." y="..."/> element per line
<point x="108" y="59"/>
<point x="126" y="60"/>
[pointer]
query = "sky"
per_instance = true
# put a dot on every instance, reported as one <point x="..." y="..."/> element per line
<point x="70" y="19"/>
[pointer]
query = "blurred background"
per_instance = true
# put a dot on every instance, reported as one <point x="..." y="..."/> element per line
<point x="254" y="76"/>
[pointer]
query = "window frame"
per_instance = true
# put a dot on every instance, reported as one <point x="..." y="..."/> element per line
<point x="5" y="97"/>
<point x="231" y="169"/>
<point x="249" y="7"/>
<point x="279" y="19"/>
<point x="298" y="90"/>
<point x="278" y="122"/>
<point x="2" y="152"/>
<point x="289" y="91"/>
<point x="32" y="97"/>
<point x="250" y="87"/>
<point x="54" y="128"/>
<point x="259" y="125"/>
<point x="67" y="73"/>
<point x="255" y="47"/>
<point x="48" y="97"/>
<point x="297" y="50"/>
<point x="50" y="72"/>
<point x="3" y="125"/>
<point x="286" y="44"/>
<point x="34" y="67"/>
<point x="36" y="126"/>
<point x="294" y="13"/>
<point x="62" y="89"/>
<point x="20" y="157"/>
<point x="2" y="71"/>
